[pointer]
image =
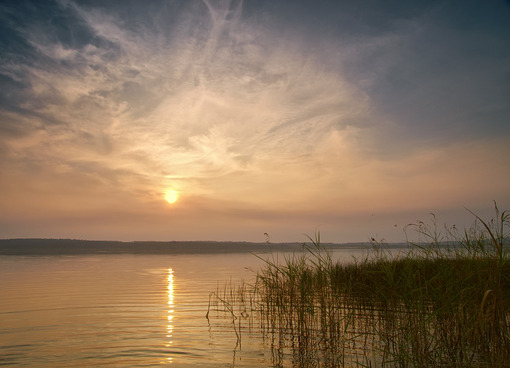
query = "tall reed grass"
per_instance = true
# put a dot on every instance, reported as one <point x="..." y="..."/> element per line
<point x="444" y="302"/>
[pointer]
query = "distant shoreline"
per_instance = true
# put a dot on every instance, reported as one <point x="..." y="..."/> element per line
<point x="42" y="247"/>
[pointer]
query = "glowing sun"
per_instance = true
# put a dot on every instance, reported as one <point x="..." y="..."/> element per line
<point x="171" y="196"/>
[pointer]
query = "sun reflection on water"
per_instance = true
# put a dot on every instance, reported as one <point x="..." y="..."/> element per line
<point x="170" y="325"/>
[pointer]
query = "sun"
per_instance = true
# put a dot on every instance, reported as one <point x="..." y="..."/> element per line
<point x="171" y="196"/>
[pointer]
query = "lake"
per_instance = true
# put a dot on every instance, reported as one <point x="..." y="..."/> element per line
<point x="125" y="310"/>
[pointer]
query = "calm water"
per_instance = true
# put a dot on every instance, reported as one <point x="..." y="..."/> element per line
<point x="122" y="311"/>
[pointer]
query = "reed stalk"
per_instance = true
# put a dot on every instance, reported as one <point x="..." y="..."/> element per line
<point x="444" y="303"/>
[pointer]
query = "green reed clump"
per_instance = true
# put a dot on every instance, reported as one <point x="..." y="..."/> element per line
<point x="445" y="302"/>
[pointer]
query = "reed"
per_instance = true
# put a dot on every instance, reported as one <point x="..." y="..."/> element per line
<point x="443" y="303"/>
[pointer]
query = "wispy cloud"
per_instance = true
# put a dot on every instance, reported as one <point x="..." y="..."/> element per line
<point x="255" y="107"/>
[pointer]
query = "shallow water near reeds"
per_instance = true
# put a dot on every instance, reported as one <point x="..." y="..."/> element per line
<point x="125" y="310"/>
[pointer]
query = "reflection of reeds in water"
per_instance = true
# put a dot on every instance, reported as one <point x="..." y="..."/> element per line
<point x="445" y="304"/>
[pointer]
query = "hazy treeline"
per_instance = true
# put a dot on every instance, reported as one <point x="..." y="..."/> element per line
<point x="75" y="246"/>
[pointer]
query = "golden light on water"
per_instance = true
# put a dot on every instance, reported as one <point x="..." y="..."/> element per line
<point x="170" y="324"/>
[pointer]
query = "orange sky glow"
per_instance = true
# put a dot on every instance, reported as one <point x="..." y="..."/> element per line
<point x="260" y="123"/>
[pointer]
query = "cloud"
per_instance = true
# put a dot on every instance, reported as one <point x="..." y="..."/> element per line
<point x="429" y="75"/>
<point x="256" y="107"/>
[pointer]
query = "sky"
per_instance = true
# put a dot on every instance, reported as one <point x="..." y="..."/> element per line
<point x="350" y="118"/>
